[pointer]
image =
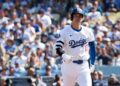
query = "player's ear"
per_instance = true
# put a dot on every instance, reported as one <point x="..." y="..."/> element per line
<point x="84" y="19"/>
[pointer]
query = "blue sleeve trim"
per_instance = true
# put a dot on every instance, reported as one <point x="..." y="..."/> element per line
<point x="92" y="52"/>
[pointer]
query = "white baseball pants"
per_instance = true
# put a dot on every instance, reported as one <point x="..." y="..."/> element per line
<point x="72" y="73"/>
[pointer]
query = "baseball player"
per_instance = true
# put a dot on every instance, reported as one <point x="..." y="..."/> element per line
<point x="76" y="45"/>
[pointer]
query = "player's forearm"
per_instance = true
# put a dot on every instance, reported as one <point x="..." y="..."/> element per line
<point x="59" y="48"/>
<point x="92" y="52"/>
<point x="59" y="51"/>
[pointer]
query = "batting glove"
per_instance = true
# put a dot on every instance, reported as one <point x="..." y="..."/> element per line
<point x="66" y="58"/>
<point x="92" y="68"/>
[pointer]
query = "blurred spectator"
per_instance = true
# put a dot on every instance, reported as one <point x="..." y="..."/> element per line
<point x="10" y="48"/>
<point x="17" y="33"/>
<point x="98" y="79"/>
<point x="14" y="17"/>
<point x="94" y="14"/>
<point x="2" y="64"/>
<point x="117" y="25"/>
<point x="19" y="59"/>
<point x="7" y="4"/>
<point x="114" y="34"/>
<point x="31" y="72"/>
<point x="30" y="30"/>
<point x="54" y="67"/>
<point x="33" y="61"/>
<point x="64" y="22"/>
<point x="50" y="68"/>
<point x="4" y="71"/>
<point x="46" y="20"/>
<point x="40" y="54"/>
<point x="98" y="5"/>
<point x="3" y="83"/>
<point x="84" y="7"/>
<point x="109" y="48"/>
<point x="19" y="70"/>
<point x="48" y="51"/>
<point x="11" y="71"/>
<point x="113" y="80"/>
<point x="36" y="26"/>
<point x="39" y="81"/>
<point x="11" y="34"/>
<point x="3" y="27"/>
<point x="44" y="37"/>
<point x="2" y="52"/>
<point x="26" y="50"/>
<point x="105" y="58"/>
<point x="108" y="22"/>
<point x="48" y="71"/>
<point x="102" y="81"/>
<point x="3" y="16"/>
<point x="95" y="78"/>
<point x="116" y="60"/>
<point x="52" y="30"/>
<point x="37" y="44"/>
<point x="10" y="26"/>
<point x="58" y="81"/>
<point x="111" y="6"/>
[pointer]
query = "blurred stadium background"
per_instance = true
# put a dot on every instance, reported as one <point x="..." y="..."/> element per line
<point x="29" y="29"/>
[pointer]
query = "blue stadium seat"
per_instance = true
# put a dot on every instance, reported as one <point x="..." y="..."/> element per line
<point x="108" y="70"/>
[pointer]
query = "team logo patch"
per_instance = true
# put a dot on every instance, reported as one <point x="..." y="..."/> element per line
<point x="73" y="43"/>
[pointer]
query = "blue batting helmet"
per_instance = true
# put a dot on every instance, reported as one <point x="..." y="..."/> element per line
<point x="76" y="10"/>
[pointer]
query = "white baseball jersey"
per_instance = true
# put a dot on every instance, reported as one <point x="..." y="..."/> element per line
<point x="75" y="42"/>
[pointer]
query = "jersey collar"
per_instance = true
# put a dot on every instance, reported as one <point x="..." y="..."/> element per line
<point x="78" y="30"/>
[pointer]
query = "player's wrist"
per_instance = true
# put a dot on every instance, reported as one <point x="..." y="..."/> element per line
<point x="66" y="57"/>
<point x="92" y="68"/>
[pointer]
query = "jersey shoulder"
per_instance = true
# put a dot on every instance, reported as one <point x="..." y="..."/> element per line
<point x="89" y="32"/>
<point x="65" y="29"/>
<point x="87" y="29"/>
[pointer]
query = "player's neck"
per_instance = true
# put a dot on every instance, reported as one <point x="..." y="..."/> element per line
<point x="76" y="26"/>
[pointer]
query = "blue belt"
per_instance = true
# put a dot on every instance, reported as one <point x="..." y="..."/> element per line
<point x="78" y="61"/>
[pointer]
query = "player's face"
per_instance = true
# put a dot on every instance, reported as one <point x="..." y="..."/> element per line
<point x="78" y="18"/>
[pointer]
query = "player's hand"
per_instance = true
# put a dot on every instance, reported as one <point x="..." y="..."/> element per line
<point x="92" y="68"/>
<point x="66" y="58"/>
